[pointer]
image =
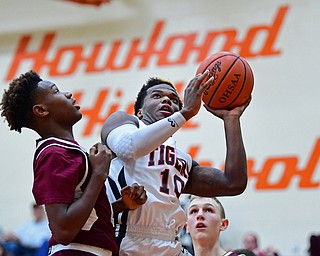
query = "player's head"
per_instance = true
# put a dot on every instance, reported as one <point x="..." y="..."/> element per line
<point x="38" y="212"/>
<point x="38" y="104"/>
<point x="152" y="81"/>
<point x="18" y="100"/>
<point x="206" y="218"/>
<point x="250" y="241"/>
<point x="244" y="252"/>
<point x="314" y="245"/>
<point x="157" y="89"/>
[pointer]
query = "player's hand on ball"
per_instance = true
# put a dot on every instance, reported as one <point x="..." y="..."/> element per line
<point x="193" y="94"/>
<point x="224" y="113"/>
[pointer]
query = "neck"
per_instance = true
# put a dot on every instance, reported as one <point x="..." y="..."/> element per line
<point x="48" y="128"/>
<point x="146" y="121"/>
<point x="59" y="133"/>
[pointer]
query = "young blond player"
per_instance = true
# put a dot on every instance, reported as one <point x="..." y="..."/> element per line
<point x="206" y="219"/>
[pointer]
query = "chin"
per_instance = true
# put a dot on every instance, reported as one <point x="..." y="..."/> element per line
<point x="78" y="118"/>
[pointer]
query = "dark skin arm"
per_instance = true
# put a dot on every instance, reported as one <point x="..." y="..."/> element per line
<point x="207" y="181"/>
<point x="132" y="198"/>
<point x="192" y="104"/>
<point x="66" y="220"/>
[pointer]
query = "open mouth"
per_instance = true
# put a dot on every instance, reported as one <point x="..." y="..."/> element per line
<point x="200" y="225"/>
<point x="75" y="105"/>
<point x="166" y="109"/>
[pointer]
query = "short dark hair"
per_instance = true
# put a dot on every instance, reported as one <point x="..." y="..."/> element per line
<point x="314" y="248"/>
<point x="17" y="101"/>
<point x="245" y="252"/>
<point x="152" y="81"/>
<point x="34" y="206"/>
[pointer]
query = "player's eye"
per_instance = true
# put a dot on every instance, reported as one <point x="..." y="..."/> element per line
<point x="193" y="211"/>
<point x="209" y="210"/>
<point x="55" y="89"/>
<point x="175" y="100"/>
<point x="156" y="96"/>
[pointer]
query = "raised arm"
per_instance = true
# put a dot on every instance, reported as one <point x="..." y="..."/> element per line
<point x="121" y="134"/>
<point x="206" y="181"/>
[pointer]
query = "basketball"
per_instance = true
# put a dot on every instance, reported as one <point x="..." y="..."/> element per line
<point x="232" y="82"/>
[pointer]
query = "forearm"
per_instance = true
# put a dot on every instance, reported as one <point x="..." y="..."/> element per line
<point x="131" y="144"/>
<point x="79" y="211"/>
<point x="236" y="160"/>
<point x="66" y="221"/>
<point x="231" y="181"/>
<point x="119" y="206"/>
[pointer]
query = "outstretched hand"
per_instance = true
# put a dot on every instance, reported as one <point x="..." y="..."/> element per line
<point x="193" y="94"/>
<point x="133" y="196"/>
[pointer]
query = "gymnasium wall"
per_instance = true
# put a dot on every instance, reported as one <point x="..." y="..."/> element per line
<point x="104" y="54"/>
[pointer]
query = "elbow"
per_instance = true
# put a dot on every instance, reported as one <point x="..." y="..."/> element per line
<point x="240" y="186"/>
<point x="239" y="190"/>
<point x="63" y="239"/>
<point x="63" y="236"/>
<point x="237" y="179"/>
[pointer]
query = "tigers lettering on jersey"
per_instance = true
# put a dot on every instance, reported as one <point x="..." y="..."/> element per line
<point x="165" y="155"/>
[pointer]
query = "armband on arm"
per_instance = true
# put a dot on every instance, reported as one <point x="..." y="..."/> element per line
<point x="128" y="142"/>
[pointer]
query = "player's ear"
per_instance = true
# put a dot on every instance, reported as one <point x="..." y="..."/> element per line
<point x="139" y="114"/>
<point x="40" y="110"/>
<point x="187" y="229"/>
<point x="224" y="224"/>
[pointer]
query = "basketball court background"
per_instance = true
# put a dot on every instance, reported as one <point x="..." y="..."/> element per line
<point x="104" y="54"/>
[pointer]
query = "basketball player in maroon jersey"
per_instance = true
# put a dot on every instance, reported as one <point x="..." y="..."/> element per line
<point x="67" y="180"/>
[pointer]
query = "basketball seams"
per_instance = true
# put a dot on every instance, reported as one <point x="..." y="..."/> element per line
<point x="217" y="59"/>
<point x="224" y="76"/>
<point x="243" y="83"/>
<point x="226" y="91"/>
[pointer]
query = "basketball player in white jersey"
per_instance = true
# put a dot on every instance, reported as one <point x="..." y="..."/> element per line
<point x="147" y="154"/>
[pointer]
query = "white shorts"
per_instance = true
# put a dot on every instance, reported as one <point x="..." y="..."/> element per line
<point x="142" y="246"/>
<point x="79" y="247"/>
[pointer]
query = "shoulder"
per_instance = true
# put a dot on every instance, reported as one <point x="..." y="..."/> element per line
<point x="56" y="146"/>
<point x="121" y="117"/>
<point x="115" y="120"/>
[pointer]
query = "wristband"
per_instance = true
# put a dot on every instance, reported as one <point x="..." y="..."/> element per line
<point x="176" y="119"/>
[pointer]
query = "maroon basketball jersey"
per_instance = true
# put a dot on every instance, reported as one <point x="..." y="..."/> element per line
<point x="61" y="173"/>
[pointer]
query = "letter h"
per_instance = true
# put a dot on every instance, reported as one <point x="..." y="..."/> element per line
<point x="38" y="56"/>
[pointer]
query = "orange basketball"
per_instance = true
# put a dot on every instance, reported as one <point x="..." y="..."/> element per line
<point x="233" y="80"/>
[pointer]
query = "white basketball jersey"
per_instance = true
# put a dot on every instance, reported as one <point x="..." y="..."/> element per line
<point x="164" y="173"/>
